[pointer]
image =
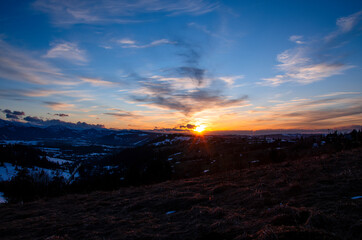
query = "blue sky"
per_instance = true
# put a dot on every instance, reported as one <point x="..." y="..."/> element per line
<point x="227" y="65"/>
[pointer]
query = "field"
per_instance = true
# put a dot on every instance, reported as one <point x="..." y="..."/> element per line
<point x="297" y="199"/>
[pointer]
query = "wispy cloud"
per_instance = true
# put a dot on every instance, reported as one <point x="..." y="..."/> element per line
<point x="191" y="68"/>
<point x="39" y="94"/>
<point x="16" y="64"/>
<point x="128" y="43"/>
<point x="98" y="82"/>
<point x="184" y="82"/>
<point x="303" y="70"/>
<point x="345" y="25"/>
<point x="194" y="73"/>
<point x="57" y="106"/>
<point x="205" y="30"/>
<point x="185" y="89"/>
<point x="48" y="92"/>
<point x="68" y="51"/>
<point x="112" y="11"/>
<point x="108" y="47"/>
<point x="231" y="79"/>
<point x="161" y="94"/>
<point x="122" y="114"/>
<point x="318" y="117"/>
<point x="314" y="61"/>
<point x="334" y="94"/>
<point x="330" y="110"/>
<point x="296" y="38"/>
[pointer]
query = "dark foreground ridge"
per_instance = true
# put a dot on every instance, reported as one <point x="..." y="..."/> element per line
<point x="301" y="199"/>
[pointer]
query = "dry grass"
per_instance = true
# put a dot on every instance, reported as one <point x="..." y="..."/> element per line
<point x="304" y="199"/>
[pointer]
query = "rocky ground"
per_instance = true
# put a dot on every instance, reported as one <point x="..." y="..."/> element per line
<point x="299" y="199"/>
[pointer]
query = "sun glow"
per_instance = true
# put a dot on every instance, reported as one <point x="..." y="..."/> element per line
<point x="199" y="129"/>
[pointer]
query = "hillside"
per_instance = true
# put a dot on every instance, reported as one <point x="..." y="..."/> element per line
<point x="300" y="199"/>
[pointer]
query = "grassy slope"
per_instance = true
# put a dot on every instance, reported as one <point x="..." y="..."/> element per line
<point x="302" y="199"/>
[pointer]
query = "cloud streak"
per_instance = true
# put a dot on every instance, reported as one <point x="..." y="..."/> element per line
<point x="314" y="61"/>
<point x="69" y="12"/>
<point x="345" y="25"/>
<point x="68" y="51"/>
<point x="333" y="94"/>
<point x="299" y="68"/>
<point x="230" y="80"/>
<point x="20" y="66"/>
<point x="98" y="82"/>
<point x="57" y="106"/>
<point x="128" y="43"/>
<point x="331" y="111"/>
<point x="122" y="114"/>
<point x="205" y="30"/>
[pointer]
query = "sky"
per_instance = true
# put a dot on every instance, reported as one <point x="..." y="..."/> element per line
<point x="168" y="65"/>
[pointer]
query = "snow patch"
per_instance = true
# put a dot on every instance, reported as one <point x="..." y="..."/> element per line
<point x="182" y="138"/>
<point x="7" y="172"/>
<point x="176" y="139"/>
<point x="58" y="160"/>
<point x="124" y="133"/>
<point x="136" y="143"/>
<point x="50" y="150"/>
<point x="110" y="167"/>
<point x="162" y="142"/>
<point x="356" y="197"/>
<point x="175" y="154"/>
<point x="21" y="142"/>
<point x="2" y="198"/>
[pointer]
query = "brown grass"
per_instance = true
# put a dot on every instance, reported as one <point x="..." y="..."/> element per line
<point x="303" y="199"/>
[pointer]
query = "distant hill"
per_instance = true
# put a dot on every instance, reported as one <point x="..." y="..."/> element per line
<point x="314" y="198"/>
<point x="23" y="131"/>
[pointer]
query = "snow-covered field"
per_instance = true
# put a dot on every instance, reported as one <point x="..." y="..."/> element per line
<point x="8" y="171"/>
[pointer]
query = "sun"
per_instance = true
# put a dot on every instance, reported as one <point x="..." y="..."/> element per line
<point x="199" y="129"/>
